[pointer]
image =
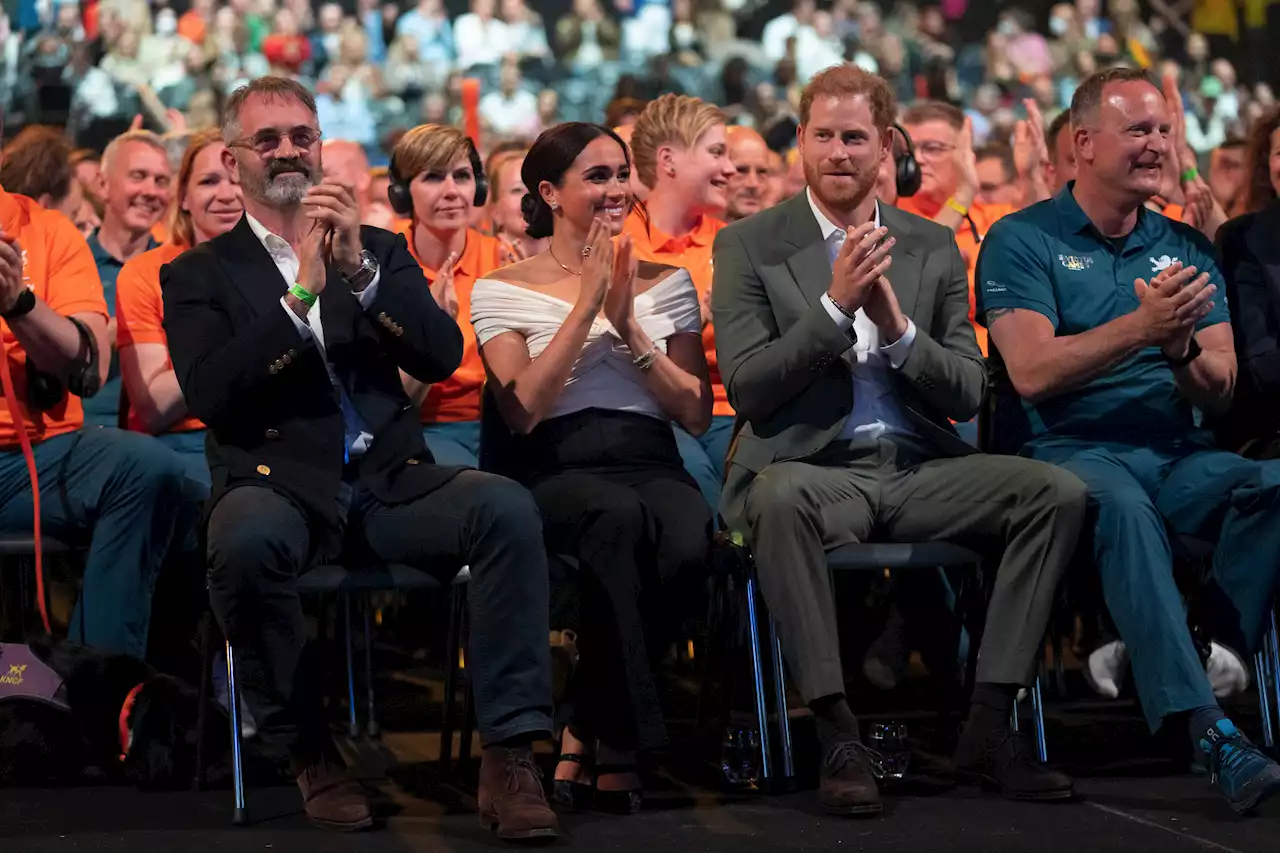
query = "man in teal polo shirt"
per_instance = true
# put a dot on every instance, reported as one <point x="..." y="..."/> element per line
<point x="136" y="176"/>
<point x="1110" y="326"/>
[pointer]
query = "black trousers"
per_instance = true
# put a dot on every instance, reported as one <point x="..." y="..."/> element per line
<point x="260" y="541"/>
<point x="614" y="494"/>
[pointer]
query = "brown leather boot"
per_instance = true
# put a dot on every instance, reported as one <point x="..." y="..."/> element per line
<point x="848" y="786"/>
<point x="332" y="799"/>
<point x="512" y="801"/>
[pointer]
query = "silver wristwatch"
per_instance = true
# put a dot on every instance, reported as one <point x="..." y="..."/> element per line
<point x="364" y="276"/>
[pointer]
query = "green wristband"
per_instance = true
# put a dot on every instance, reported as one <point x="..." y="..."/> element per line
<point x="1191" y="174"/>
<point x="306" y="297"/>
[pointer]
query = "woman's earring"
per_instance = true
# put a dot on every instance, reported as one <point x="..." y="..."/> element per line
<point x="553" y="204"/>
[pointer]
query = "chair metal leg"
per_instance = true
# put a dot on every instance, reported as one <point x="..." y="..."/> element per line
<point x="1274" y="643"/>
<point x="1260" y="666"/>
<point x="239" y="816"/>
<point x="780" y="701"/>
<point x="452" y="644"/>
<point x="757" y="673"/>
<point x="1037" y="709"/>
<point x="353" y="727"/>
<point x="371" y="725"/>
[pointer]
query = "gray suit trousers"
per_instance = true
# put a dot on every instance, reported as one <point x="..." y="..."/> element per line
<point x="1024" y="515"/>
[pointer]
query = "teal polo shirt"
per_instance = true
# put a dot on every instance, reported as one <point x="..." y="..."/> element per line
<point x="103" y="408"/>
<point x="1049" y="258"/>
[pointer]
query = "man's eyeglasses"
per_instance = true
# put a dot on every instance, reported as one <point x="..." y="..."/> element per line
<point x="934" y="149"/>
<point x="267" y="141"/>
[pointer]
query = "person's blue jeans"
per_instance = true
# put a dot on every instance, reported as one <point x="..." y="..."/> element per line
<point x="189" y="446"/>
<point x="704" y="456"/>
<point x="454" y="442"/>
<point x="1138" y="495"/>
<point x="126" y="493"/>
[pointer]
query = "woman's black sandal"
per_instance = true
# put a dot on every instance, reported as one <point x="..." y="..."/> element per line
<point x="624" y="802"/>
<point x="575" y="795"/>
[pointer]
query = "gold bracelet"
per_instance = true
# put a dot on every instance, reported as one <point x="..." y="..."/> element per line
<point x="957" y="207"/>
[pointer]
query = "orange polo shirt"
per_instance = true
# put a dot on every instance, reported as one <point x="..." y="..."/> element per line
<point x="57" y="265"/>
<point x="140" y="317"/>
<point x="693" y="252"/>
<point x="983" y="216"/>
<point x="458" y="397"/>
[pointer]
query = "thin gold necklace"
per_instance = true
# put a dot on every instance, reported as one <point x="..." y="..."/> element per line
<point x="552" y="252"/>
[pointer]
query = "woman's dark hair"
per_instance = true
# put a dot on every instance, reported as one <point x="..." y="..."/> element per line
<point x="1259" y="192"/>
<point x="552" y="154"/>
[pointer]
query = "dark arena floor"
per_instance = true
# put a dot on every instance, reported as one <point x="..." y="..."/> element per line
<point x="1134" y="797"/>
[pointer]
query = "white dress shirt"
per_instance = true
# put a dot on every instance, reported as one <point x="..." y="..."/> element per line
<point x="356" y="431"/>
<point x="876" y="409"/>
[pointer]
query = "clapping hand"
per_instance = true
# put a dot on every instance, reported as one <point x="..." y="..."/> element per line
<point x="1171" y="306"/>
<point x="862" y="259"/>
<point x="335" y="206"/>
<point x="620" y="301"/>
<point x="597" y="267"/>
<point x="11" y="283"/>
<point x="442" y="289"/>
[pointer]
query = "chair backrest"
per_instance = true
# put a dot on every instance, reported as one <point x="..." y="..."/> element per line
<point x="1003" y="425"/>
<point x="497" y="444"/>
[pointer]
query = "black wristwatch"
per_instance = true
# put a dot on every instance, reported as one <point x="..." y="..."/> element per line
<point x="1193" y="352"/>
<point x="24" y="304"/>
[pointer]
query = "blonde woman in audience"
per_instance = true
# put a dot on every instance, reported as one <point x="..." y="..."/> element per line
<point x="506" y="213"/>
<point x="681" y="153"/>
<point x="435" y="182"/>
<point x="208" y="203"/>
<point x="591" y="355"/>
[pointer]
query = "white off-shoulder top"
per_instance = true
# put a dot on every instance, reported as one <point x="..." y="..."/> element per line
<point x="604" y="375"/>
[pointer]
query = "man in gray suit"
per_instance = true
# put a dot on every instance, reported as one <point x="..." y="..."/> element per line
<point x="843" y="335"/>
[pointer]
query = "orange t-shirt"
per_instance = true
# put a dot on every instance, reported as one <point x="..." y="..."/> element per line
<point x="458" y="397"/>
<point x="192" y="27"/>
<point x="140" y="316"/>
<point x="58" y="266"/>
<point x="693" y="252"/>
<point x="983" y="216"/>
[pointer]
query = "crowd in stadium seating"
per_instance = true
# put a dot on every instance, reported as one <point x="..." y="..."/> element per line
<point x="861" y="228"/>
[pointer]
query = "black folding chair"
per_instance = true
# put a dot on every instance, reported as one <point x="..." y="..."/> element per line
<point x="894" y="556"/>
<point x="18" y="554"/>
<point x="362" y="580"/>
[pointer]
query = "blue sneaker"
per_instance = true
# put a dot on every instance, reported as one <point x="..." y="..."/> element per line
<point x="1241" y="771"/>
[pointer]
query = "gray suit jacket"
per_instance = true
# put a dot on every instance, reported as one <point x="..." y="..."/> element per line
<point x="787" y="366"/>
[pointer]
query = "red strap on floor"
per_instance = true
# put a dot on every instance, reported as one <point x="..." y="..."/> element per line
<point x="20" y="427"/>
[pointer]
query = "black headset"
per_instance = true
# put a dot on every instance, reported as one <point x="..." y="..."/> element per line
<point x="401" y="198"/>
<point x="907" y="167"/>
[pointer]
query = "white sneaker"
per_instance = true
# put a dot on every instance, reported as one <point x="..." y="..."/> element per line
<point x="1106" y="668"/>
<point x="1227" y="673"/>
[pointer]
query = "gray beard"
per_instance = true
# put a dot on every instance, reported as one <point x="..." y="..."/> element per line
<point x="285" y="190"/>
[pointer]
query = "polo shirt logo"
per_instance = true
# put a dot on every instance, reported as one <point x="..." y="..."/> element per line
<point x="1162" y="263"/>
<point x="1075" y="263"/>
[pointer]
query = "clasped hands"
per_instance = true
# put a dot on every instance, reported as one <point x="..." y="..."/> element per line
<point x="334" y="235"/>
<point x="858" y="281"/>
<point x="1171" y="305"/>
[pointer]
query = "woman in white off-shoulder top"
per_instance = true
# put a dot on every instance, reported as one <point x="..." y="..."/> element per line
<point x="591" y="356"/>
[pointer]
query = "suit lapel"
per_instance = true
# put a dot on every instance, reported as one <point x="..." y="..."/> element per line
<point x="252" y="271"/>
<point x="907" y="267"/>
<point x="810" y="265"/>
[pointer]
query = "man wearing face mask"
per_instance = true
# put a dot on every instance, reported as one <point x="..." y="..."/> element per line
<point x="288" y="335"/>
<point x="1112" y="334"/>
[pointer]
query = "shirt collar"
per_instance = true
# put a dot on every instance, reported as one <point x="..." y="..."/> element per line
<point x="102" y="256"/>
<point x="701" y="235"/>
<point x="467" y="264"/>
<point x="1078" y="222"/>
<point x="271" y="242"/>
<point x="826" y="225"/>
